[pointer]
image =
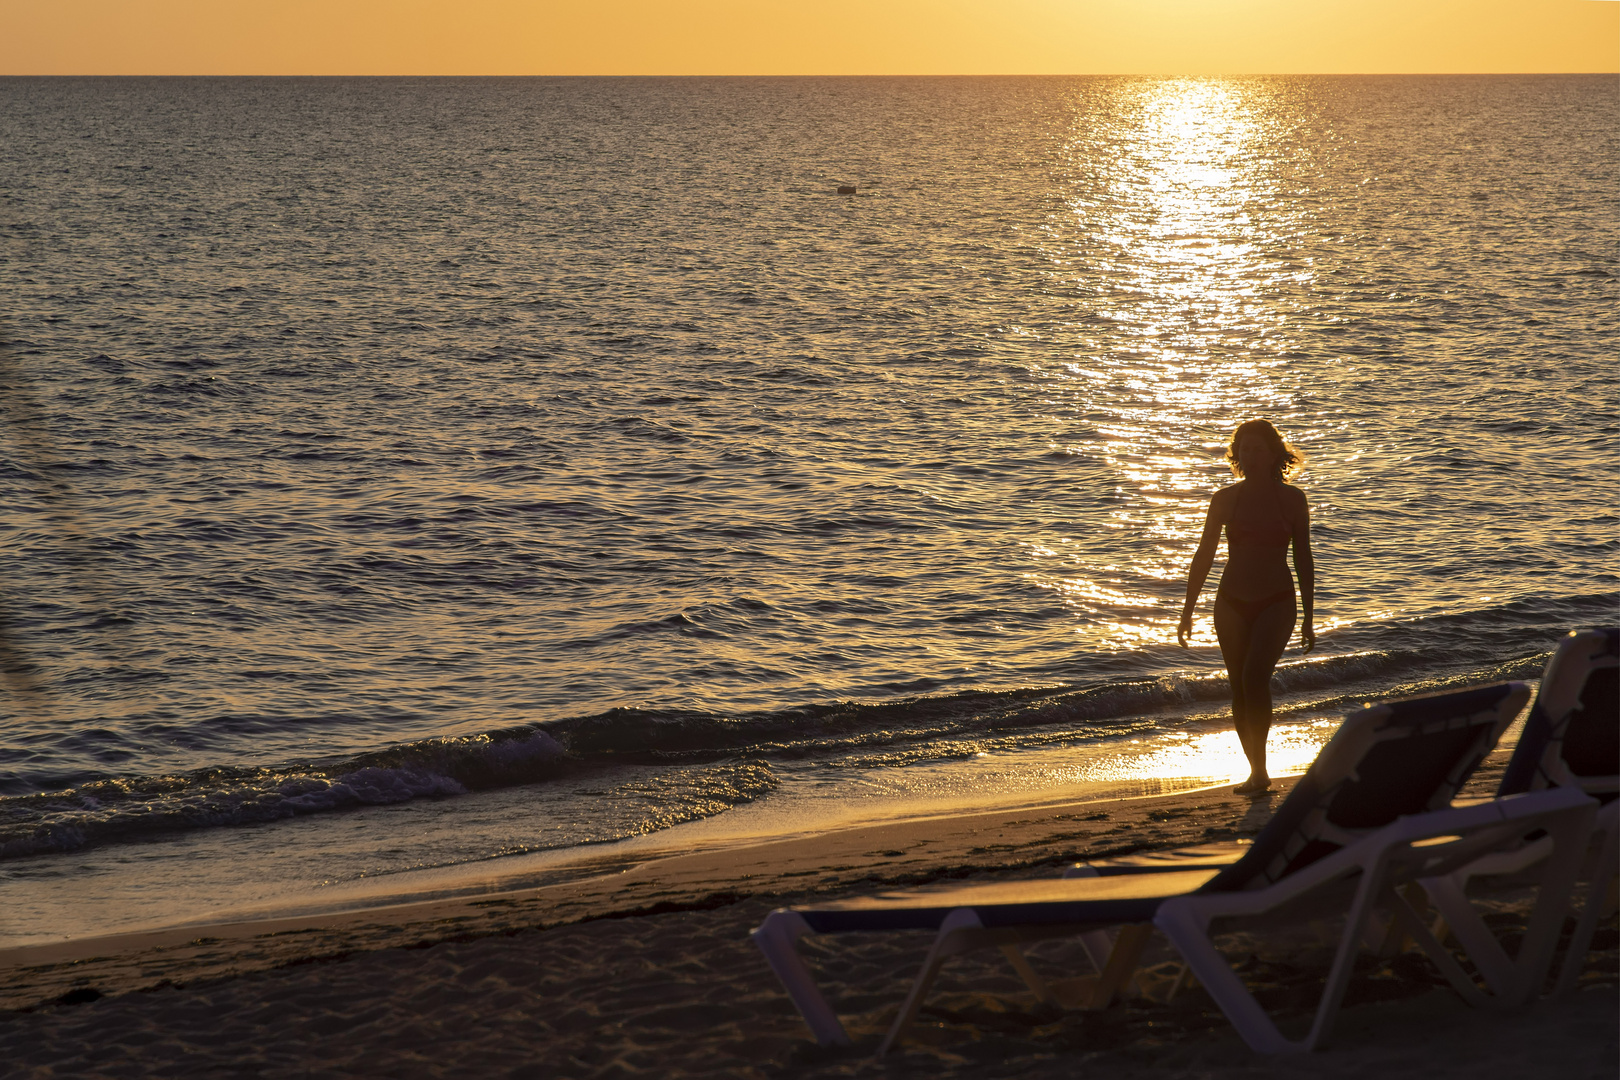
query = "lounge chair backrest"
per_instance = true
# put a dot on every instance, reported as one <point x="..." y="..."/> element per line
<point x="1385" y="761"/>
<point x="1572" y="737"/>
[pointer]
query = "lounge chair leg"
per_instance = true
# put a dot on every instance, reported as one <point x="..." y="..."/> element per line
<point x="1436" y="951"/>
<point x="1099" y="946"/>
<point x="1476" y="940"/>
<point x="958" y="923"/>
<point x="1344" y="962"/>
<point x="776" y="938"/>
<point x="1393" y="938"/>
<point x="1515" y="980"/>
<point x="1183" y="981"/>
<point x="1121" y="965"/>
<point x="1597" y="906"/>
<point x="1031" y="977"/>
<point x="1506" y="862"/>
<point x="1580" y="941"/>
<point x="1188" y="930"/>
<point x="1570" y="833"/>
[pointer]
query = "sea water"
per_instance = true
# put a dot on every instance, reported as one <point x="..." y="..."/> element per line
<point x="410" y="483"/>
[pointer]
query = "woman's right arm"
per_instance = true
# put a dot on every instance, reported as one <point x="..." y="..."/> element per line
<point x="1203" y="559"/>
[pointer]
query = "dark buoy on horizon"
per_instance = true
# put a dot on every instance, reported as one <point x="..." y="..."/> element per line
<point x="846" y="189"/>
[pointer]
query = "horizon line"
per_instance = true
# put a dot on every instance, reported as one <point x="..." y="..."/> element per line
<point x="785" y="75"/>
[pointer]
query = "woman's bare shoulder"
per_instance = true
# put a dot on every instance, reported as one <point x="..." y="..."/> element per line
<point x="1224" y="499"/>
<point x="1294" y="498"/>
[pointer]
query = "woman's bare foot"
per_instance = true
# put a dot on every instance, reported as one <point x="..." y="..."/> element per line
<point x="1254" y="785"/>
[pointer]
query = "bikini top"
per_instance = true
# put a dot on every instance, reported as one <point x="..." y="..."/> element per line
<point x="1273" y="533"/>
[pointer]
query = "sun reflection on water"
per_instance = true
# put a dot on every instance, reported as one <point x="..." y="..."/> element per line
<point x="1172" y="239"/>
<point x="1109" y="769"/>
<point x="1216" y="755"/>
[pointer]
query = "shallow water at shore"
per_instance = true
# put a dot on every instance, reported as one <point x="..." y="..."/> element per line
<point x="413" y="852"/>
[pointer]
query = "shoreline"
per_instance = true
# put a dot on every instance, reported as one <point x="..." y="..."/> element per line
<point x="647" y="969"/>
<point x="513" y="837"/>
<point x="528" y="871"/>
<point x="1017" y="840"/>
<point x="654" y="880"/>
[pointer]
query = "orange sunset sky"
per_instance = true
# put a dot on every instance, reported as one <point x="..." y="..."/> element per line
<point x="813" y="37"/>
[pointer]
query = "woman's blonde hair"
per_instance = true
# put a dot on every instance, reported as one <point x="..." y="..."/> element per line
<point x="1288" y="461"/>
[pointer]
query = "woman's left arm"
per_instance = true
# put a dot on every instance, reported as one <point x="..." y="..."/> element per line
<point x="1305" y="568"/>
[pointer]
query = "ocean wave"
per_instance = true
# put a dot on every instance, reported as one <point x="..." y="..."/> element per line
<point x="140" y="807"/>
<point x="694" y="763"/>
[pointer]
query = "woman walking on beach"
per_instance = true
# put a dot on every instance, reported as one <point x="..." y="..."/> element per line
<point x="1254" y="604"/>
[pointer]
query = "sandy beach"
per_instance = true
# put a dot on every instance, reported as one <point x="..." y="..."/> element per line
<point x="646" y="969"/>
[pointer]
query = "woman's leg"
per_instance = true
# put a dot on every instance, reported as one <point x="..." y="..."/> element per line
<point x="1251" y="651"/>
<point x="1268" y="637"/>
<point x="1232" y="631"/>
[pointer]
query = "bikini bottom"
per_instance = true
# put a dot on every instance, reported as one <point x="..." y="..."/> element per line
<point x="1250" y="610"/>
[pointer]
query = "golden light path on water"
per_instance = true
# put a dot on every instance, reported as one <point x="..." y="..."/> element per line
<point x="1175" y="209"/>
<point x="1174" y="235"/>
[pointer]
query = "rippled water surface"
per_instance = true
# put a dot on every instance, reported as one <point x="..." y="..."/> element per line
<point x="373" y="440"/>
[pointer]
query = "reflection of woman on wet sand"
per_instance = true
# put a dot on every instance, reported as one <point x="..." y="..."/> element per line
<point x="1254" y="604"/>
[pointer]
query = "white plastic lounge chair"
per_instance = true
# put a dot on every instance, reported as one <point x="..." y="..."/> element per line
<point x="1410" y="848"/>
<point x="1371" y="814"/>
<point x="1571" y="739"/>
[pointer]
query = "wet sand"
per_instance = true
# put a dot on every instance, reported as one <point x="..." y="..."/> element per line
<point x="646" y="969"/>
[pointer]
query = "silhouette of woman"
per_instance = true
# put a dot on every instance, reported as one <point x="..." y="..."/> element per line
<point x="1254" y="604"/>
